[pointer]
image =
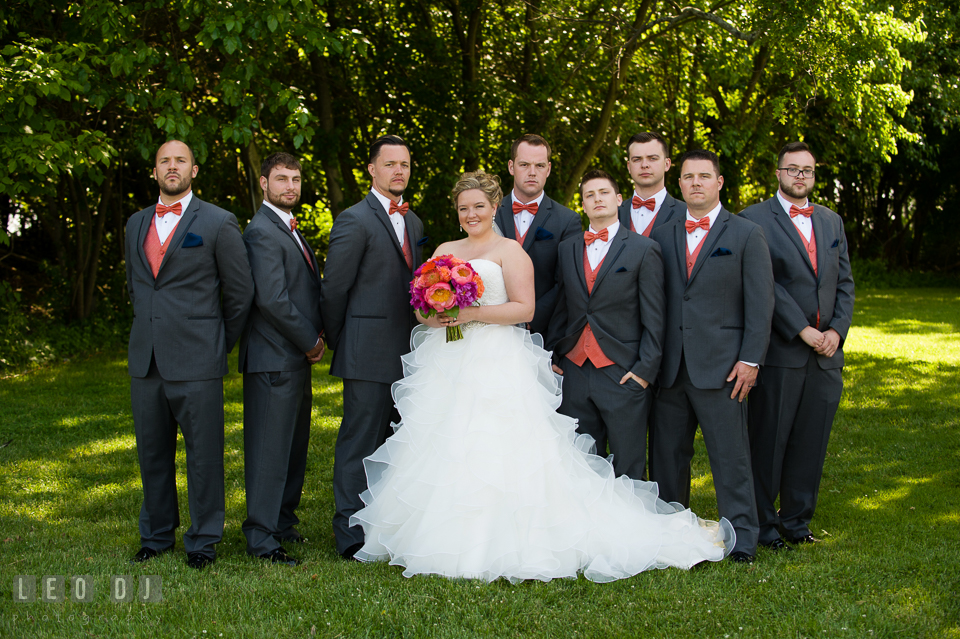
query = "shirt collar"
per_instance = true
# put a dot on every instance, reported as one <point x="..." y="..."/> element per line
<point x="786" y="205"/>
<point x="184" y="201"/>
<point x="539" y="199"/>
<point x="286" y="217"/>
<point x="385" y="201"/>
<point x="712" y="215"/>
<point x="659" y="197"/>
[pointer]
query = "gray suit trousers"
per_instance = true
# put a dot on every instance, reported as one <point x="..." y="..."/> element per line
<point x="791" y="413"/>
<point x="197" y="406"/>
<point x="276" y="433"/>
<point x="367" y="412"/>
<point x="723" y="421"/>
<point x="609" y="412"/>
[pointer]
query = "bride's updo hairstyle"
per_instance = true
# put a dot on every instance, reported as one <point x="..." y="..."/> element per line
<point x="489" y="184"/>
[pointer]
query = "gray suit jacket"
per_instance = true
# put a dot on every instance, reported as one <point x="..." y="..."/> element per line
<point x="365" y="298"/>
<point x="670" y="210"/>
<point x="192" y="314"/>
<point x="552" y="224"/>
<point x="800" y="292"/>
<point x="285" y="319"/>
<point x="625" y="310"/>
<point x="722" y="315"/>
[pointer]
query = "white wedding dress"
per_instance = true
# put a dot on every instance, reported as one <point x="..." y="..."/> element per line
<point x="484" y="479"/>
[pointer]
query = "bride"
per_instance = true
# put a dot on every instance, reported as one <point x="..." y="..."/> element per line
<point x="482" y="477"/>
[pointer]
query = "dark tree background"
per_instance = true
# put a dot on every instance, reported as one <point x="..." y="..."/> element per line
<point x="90" y="89"/>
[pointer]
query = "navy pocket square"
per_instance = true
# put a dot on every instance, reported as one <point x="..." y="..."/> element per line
<point x="835" y="244"/>
<point x="423" y="240"/>
<point x="192" y="240"/>
<point x="543" y="234"/>
<point x="622" y="269"/>
<point x="720" y="252"/>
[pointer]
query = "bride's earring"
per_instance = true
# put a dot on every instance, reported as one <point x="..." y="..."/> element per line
<point x="461" y="229"/>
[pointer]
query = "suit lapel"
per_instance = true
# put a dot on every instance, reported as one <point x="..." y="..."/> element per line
<point x="539" y="221"/>
<point x="384" y="219"/>
<point x="505" y="219"/>
<point x="414" y="235"/>
<point x="623" y="213"/>
<point x="579" y="266"/>
<point x="186" y="221"/>
<point x="710" y="241"/>
<point x="680" y="243"/>
<point x="616" y="248"/>
<point x="142" y="238"/>
<point x="819" y="238"/>
<point x="793" y="234"/>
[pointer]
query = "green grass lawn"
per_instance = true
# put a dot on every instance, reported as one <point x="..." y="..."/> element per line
<point x="889" y="515"/>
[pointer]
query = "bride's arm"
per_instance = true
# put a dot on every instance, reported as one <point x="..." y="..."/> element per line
<point x="518" y="278"/>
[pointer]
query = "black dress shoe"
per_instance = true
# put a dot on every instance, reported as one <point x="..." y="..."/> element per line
<point x="279" y="556"/>
<point x="198" y="560"/>
<point x="740" y="557"/>
<point x="777" y="545"/>
<point x="806" y="539"/>
<point x="349" y="553"/>
<point x="146" y="554"/>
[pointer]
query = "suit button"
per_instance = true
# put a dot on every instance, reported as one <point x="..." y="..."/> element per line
<point x="156" y="287"/>
<point x="686" y="298"/>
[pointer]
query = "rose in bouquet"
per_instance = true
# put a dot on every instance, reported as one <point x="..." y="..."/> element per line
<point x="444" y="285"/>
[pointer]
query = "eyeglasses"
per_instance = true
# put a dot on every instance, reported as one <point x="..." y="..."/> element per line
<point x="794" y="172"/>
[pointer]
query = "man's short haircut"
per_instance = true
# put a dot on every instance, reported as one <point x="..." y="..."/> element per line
<point x="700" y="154"/>
<point x="281" y="159"/>
<point x="193" y="159"/>
<point x="598" y="174"/>
<point x="648" y="136"/>
<point x="794" y="147"/>
<point x="533" y="140"/>
<point x="385" y="140"/>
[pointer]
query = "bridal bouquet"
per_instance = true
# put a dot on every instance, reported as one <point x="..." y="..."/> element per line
<point x="444" y="285"/>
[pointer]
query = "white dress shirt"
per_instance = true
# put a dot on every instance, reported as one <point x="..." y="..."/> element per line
<point x="598" y="250"/>
<point x="399" y="226"/>
<point x="803" y="223"/>
<point x="694" y="239"/>
<point x="287" y="219"/>
<point x="168" y="222"/>
<point x="641" y="217"/>
<point x="523" y="219"/>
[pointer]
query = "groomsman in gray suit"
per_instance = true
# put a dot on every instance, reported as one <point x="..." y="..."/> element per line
<point x="719" y="292"/>
<point x="607" y="331"/>
<point x="537" y="222"/>
<point x="793" y="406"/>
<point x="190" y="286"/>
<point x="280" y="342"/>
<point x="375" y="246"/>
<point x="650" y="207"/>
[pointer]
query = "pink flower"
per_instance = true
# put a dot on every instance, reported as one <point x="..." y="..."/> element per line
<point x="440" y="297"/>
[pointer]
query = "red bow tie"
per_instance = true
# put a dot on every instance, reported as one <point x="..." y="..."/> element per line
<point x="702" y="223"/>
<point x="796" y="210"/>
<point x="639" y="203"/>
<point x="590" y="238"/>
<point x="293" y="224"/>
<point x="530" y="208"/>
<point x="401" y="208"/>
<point x="163" y="209"/>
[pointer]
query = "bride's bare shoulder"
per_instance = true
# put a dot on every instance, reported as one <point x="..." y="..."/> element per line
<point x="447" y="248"/>
<point x="511" y="252"/>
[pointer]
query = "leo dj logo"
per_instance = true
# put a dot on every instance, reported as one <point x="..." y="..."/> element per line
<point x="83" y="588"/>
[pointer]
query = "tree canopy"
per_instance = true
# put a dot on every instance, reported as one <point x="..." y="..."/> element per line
<point x="89" y="90"/>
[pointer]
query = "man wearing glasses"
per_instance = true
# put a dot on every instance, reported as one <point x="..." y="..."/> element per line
<point x="792" y="408"/>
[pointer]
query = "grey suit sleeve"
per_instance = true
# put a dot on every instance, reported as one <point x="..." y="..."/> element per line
<point x="345" y="251"/>
<point x="758" y="297"/>
<point x="547" y="303"/>
<point x="236" y="283"/>
<point x="558" y="321"/>
<point x="788" y="317"/>
<point x="652" y="309"/>
<point x="843" y="308"/>
<point x="272" y="294"/>
<point x="130" y="253"/>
